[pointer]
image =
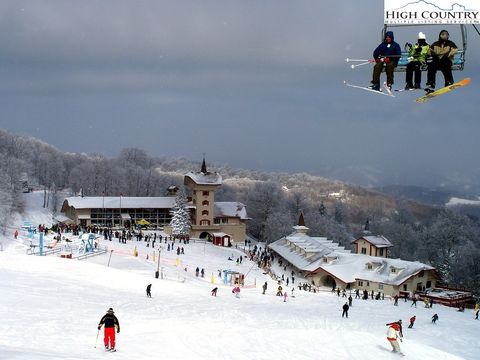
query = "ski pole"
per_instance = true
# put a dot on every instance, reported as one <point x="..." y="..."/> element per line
<point x="356" y="60"/>
<point x="96" y="340"/>
<point x="353" y="66"/>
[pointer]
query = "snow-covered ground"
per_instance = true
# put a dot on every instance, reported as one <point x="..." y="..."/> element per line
<point x="50" y="308"/>
<point x="454" y="201"/>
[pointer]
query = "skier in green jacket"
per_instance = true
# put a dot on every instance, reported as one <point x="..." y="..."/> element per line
<point x="417" y="59"/>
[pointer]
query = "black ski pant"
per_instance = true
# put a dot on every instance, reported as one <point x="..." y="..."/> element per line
<point x="445" y="66"/>
<point x="345" y="313"/>
<point x="413" y="67"/>
<point x="377" y="71"/>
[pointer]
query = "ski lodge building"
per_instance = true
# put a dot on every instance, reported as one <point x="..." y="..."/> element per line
<point x="329" y="264"/>
<point x="221" y="222"/>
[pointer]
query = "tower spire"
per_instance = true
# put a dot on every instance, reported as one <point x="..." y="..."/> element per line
<point x="301" y="220"/>
<point x="204" y="165"/>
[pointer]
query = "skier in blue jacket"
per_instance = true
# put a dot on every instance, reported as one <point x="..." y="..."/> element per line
<point x="386" y="55"/>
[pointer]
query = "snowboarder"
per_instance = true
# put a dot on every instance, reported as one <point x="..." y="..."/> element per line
<point x="264" y="287"/>
<point x="202" y="273"/>
<point x="149" y="288"/>
<point x="396" y="300"/>
<point x="412" y="321"/>
<point x="197" y="271"/>
<point x="357" y="294"/>
<point x="285" y="295"/>
<point x="434" y="318"/>
<point x="344" y="293"/>
<point x="111" y="322"/>
<point x="214" y="291"/>
<point x="417" y="58"/>
<point x="414" y="301"/>
<point x="393" y="335"/>
<point x="387" y="55"/>
<point x="345" y="310"/>
<point x="350" y="301"/>
<point x="442" y="52"/>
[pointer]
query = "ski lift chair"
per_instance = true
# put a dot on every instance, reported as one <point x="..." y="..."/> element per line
<point x="458" y="60"/>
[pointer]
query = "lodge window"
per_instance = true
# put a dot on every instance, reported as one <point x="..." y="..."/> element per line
<point x="368" y="283"/>
<point x="380" y="252"/>
<point x="205" y="203"/>
<point x="205" y="193"/>
<point x="421" y="273"/>
<point x="419" y="286"/>
<point x="429" y="284"/>
<point x="380" y="286"/>
<point x="360" y="283"/>
<point x="369" y="266"/>
<point x="393" y="270"/>
<point x="205" y="212"/>
<point x="364" y="250"/>
<point x="405" y="287"/>
<point x="205" y="222"/>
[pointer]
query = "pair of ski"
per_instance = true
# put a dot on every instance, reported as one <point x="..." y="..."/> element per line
<point x="387" y="92"/>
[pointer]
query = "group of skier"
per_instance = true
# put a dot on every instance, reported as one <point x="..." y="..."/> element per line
<point x="388" y="54"/>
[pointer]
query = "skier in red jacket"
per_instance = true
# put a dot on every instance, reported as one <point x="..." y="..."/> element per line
<point x="412" y="321"/>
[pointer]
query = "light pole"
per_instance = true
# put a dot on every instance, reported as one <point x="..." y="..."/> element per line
<point x="110" y="258"/>
<point x="157" y="273"/>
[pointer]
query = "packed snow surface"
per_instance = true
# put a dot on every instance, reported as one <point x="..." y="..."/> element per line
<point x="50" y="308"/>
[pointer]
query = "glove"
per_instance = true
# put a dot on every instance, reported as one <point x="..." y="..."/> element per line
<point x="118" y="331"/>
<point x="418" y="50"/>
<point x="386" y="60"/>
<point x="99" y="327"/>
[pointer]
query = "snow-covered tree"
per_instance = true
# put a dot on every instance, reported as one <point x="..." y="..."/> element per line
<point x="180" y="222"/>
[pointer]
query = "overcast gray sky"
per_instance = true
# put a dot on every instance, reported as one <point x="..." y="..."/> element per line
<point x="254" y="84"/>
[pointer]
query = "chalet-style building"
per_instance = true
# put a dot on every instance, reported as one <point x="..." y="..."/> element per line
<point x="224" y="222"/>
<point x="372" y="245"/>
<point x="326" y="263"/>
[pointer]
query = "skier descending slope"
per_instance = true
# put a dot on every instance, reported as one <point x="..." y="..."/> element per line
<point x="393" y="335"/>
<point x="111" y="322"/>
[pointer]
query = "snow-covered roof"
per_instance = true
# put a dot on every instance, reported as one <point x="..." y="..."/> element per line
<point x="220" y="234"/>
<point x="230" y="209"/>
<point x="113" y="202"/>
<point x="314" y="253"/>
<point x="208" y="178"/>
<point x="378" y="241"/>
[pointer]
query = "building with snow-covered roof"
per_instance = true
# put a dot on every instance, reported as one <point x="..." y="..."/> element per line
<point x="372" y="245"/>
<point x="326" y="263"/>
<point x="208" y="217"/>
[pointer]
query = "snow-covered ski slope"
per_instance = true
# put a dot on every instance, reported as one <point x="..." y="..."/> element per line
<point x="50" y="308"/>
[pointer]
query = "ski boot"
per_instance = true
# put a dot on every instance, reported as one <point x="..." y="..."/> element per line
<point x="375" y="87"/>
<point x="429" y="87"/>
<point x="409" y="86"/>
<point x="417" y="86"/>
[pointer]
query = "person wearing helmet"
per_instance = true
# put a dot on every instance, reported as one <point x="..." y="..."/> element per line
<point x="417" y="59"/>
<point x="387" y="55"/>
<point x="111" y="322"/>
<point x="442" y="52"/>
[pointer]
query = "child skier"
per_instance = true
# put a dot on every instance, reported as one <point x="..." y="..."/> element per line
<point x="214" y="291"/>
<point x="285" y="295"/>
<point x="434" y="318"/>
<point x="264" y="286"/>
<point x="111" y="322"/>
